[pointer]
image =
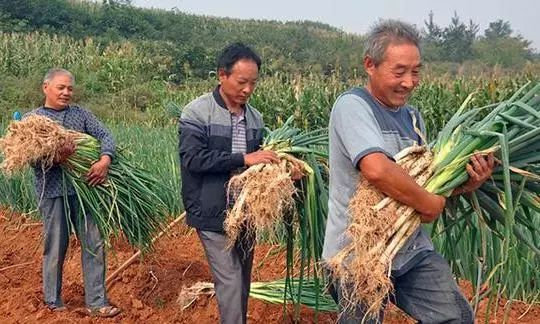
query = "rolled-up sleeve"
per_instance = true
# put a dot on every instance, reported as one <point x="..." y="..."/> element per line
<point x="357" y="128"/>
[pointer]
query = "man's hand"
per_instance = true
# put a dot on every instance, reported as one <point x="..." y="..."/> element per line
<point x="296" y="172"/>
<point x="261" y="156"/>
<point x="433" y="208"/>
<point x="65" y="151"/>
<point x="98" y="171"/>
<point x="392" y="180"/>
<point x="479" y="169"/>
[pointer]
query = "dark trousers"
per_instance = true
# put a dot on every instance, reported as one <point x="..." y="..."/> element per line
<point x="427" y="292"/>
<point x="231" y="272"/>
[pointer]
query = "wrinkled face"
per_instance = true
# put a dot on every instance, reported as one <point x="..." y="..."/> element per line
<point x="58" y="91"/>
<point x="393" y="80"/>
<point x="240" y="83"/>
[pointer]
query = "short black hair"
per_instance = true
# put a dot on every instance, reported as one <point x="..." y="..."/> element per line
<point x="233" y="53"/>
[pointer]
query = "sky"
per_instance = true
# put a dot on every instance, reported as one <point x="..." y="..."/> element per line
<point x="356" y="16"/>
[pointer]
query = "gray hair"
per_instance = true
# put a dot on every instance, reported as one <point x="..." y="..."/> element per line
<point x="52" y="73"/>
<point x="386" y="32"/>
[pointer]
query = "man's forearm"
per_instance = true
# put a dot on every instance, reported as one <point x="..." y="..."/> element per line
<point x="395" y="182"/>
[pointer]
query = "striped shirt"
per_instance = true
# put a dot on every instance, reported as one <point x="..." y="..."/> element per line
<point x="239" y="133"/>
<point x="238" y="146"/>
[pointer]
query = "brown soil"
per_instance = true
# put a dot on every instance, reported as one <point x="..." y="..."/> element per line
<point x="148" y="290"/>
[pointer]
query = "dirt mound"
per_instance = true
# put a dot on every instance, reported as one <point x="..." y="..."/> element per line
<point x="148" y="290"/>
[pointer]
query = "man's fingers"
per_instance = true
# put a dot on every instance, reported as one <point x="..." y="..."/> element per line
<point x="261" y="157"/>
<point x="270" y="156"/>
<point x="92" y="181"/>
<point x="96" y="180"/>
<point x="479" y="163"/>
<point x="90" y="178"/>
<point x="91" y="173"/>
<point x="491" y="161"/>
<point x="95" y="177"/>
<point x="471" y="171"/>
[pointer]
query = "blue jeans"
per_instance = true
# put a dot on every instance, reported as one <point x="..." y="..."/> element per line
<point x="58" y="216"/>
<point x="426" y="291"/>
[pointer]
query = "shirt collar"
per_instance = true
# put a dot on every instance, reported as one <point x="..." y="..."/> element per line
<point x="380" y="104"/>
<point x="219" y="99"/>
<point x="58" y="110"/>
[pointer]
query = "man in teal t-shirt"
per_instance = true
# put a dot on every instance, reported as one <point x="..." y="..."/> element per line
<point x="367" y="127"/>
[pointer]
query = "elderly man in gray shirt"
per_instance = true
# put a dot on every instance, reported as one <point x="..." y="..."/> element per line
<point x="368" y="126"/>
<point x="58" y="204"/>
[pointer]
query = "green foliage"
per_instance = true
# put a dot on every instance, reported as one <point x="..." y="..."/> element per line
<point x="458" y="39"/>
<point x="452" y="43"/>
<point x="438" y="98"/>
<point x="191" y="41"/>
<point x="506" y="52"/>
<point x="498" y="29"/>
<point x="137" y="68"/>
<point x="499" y="47"/>
<point x="458" y="42"/>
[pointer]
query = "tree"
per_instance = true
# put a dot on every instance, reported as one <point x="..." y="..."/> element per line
<point x="432" y="40"/>
<point x="458" y="39"/>
<point x="507" y="52"/>
<point x="498" y="46"/>
<point x="432" y="33"/>
<point x="498" y="29"/>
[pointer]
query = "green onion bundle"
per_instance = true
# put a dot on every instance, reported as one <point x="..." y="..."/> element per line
<point x="272" y="292"/>
<point x="269" y="200"/>
<point x="381" y="226"/>
<point x="310" y="295"/>
<point x="125" y="203"/>
<point x="264" y="193"/>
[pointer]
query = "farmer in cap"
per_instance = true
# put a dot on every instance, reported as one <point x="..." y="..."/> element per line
<point x="58" y="204"/>
<point x="368" y="126"/>
<point x="219" y="136"/>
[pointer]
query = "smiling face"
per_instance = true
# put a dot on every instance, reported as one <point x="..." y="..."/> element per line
<point x="239" y="84"/>
<point x="395" y="77"/>
<point x="58" y="91"/>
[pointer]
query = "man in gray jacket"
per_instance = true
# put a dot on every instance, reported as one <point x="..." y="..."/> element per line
<point x="219" y="135"/>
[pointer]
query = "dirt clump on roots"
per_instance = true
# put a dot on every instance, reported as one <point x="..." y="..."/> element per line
<point x="35" y="139"/>
<point x="262" y="195"/>
<point x="363" y="266"/>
